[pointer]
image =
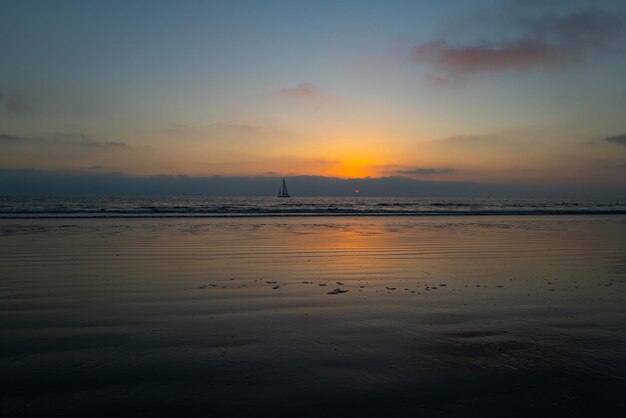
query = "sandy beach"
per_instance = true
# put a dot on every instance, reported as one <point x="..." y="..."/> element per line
<point x="317" y="316"/>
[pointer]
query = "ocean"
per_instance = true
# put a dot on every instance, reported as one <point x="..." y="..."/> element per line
<point x="295" y="206"/>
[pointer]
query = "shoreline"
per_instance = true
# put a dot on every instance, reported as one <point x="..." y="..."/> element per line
<point x="307" y="215"/>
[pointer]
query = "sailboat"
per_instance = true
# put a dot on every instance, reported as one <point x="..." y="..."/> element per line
<point x="282" y="192"/>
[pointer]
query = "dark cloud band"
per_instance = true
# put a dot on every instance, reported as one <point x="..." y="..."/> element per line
<point x="549" y="41"/>
<point x="62" y="138"/>
<point x="617" y="140"/>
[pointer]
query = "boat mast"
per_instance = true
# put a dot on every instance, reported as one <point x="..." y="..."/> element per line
<point x="285" y="192"/>
<point x="282" y="191"/>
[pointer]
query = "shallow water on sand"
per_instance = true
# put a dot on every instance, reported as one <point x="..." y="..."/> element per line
<point x="445" y="316"/>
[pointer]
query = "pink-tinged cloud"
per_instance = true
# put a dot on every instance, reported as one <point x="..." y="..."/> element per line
<point x="473" y="59"/>
<point x="544" y="42"/>
<point x="304" y="91"/>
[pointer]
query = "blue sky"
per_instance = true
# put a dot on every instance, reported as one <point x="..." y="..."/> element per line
<point x="525" y="92"/>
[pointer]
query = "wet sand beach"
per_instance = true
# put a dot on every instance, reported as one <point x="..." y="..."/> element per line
<point x="314" y="317"/>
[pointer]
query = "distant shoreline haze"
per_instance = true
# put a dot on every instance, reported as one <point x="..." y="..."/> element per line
<point x="31" y="182"/>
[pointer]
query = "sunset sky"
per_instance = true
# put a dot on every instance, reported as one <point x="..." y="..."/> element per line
<point x="521" y="92"/>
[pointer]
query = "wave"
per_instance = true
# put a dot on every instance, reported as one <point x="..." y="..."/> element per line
<point x="248" y="207"/>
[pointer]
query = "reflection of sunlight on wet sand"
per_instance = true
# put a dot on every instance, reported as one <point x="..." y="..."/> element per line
<point x="437" y="310"/>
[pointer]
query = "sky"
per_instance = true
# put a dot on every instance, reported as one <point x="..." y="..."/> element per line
<point x="515" y="92"/>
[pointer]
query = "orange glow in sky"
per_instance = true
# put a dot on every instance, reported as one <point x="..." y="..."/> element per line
<point x="464" y="105"/>
<point x="355" y="169"/>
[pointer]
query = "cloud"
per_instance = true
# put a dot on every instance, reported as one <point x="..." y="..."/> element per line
<point x="16" y="103"/>
<point x="519" y="54"/>
<point x="617" y="140"/>
<point x="404" y="170"/>
<point x="9" y="138"/>
<point x="543" y="42"/>
<point x="179" y="129"/>
<point x="80" y="139"/>
<point x="426" y="171"/>
<point x="593" y="28"/>
<point x="62" y="138"/>
<point x="242" y="128"/>
<point x="114" y="144"/>
<point x="470" y="139"/>
<point x="437" y="79"/>
<point x="304" y="91"/>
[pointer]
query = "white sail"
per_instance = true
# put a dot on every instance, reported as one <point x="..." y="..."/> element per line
<point x="283" y="192"/>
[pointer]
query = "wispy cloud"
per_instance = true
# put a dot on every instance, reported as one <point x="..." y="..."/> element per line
<point x="549" y="41"/>
<point x="470" y="139"/>
<point x="62" y="138"/>
<point x="520" y="54"/>
<point x="617" y="140"/>
<point x="304" y="91"/>
<point x="411" y="171"/>
<point x="179" y="129"/>
<point x="437" y="79"/>
<point x="242" y="128"/>
<point x="427" y="171"/>
<point x="9" y="138"/>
